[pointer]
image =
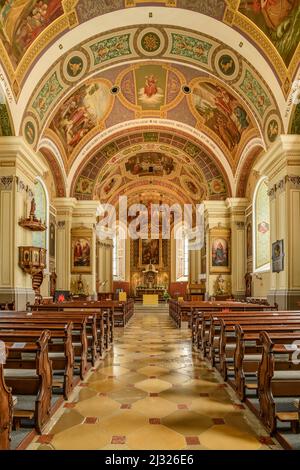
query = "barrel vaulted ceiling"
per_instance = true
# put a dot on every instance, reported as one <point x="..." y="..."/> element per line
<point x="177" y="91"/>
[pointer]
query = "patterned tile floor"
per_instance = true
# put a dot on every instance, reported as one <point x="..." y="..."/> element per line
<point x="152" y="392"/>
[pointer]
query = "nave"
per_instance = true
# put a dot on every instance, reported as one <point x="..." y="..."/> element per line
<point x="152" y="392"/>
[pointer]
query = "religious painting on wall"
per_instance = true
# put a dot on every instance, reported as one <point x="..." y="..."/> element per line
<point x="262" y="227"/>
<point x="52" y="237"/>
<point x="150" y="252"/>
<point x="81" y="251"/>
<point x="277" y="256"/>
<point x="219" y="250"/>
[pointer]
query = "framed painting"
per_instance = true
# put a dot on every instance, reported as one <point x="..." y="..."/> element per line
<point x="277" y="256"/>
<point x="220" y="261"/>
<point x="150" y="252"/>
<point x="81" y="250"/>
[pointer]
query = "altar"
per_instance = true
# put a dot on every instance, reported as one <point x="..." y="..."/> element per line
<point x="150" y="299"/>
<point x="150" y="293"/>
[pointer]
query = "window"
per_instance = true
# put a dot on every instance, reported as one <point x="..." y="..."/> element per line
<point x="261" y="227"/>
<point x="182" y="258"/>
<point x="119" y="257"/>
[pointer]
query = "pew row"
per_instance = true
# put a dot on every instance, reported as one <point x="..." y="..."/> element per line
<point x="6" y="411"/>
<point x="30" y="376"/>
<point x="60" y="347"/>
<point x="79" y="332"/>
<point x="180" y="311"/>
<point x="278" y="376"/>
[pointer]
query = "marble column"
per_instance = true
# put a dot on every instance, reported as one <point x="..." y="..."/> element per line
<point x="237" y="211"/>
<point x="216" y="214"/>
<point x="19" y="167"/>
<point x="64" y="213"/>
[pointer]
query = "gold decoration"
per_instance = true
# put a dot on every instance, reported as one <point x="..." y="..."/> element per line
<point x="79" y="286"/>
<point x="258" y="36"/>
<point x="32" y="223"/>
<point x="32" y="259"/>
<point x="229" y="16"/>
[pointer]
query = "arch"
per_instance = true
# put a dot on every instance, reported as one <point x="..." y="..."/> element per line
<point x="131" y="17"/>
<point x="164" y="131"/>
<point x="55" y="168"/>
<point x="246" y="163"/>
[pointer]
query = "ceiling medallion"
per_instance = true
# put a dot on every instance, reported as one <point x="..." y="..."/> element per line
<point x="150" y="41"/>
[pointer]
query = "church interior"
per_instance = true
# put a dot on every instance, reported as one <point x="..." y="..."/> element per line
<point x="149" y="224"/>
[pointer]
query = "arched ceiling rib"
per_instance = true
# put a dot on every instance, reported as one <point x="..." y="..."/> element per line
<point x="135" y="153"/>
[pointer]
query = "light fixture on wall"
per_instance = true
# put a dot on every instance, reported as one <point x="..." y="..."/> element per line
<point x="258" y="277"/>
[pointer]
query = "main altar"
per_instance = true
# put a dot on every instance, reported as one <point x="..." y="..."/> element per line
<point x="150" y="268"/>
<point x="150" y="292"/>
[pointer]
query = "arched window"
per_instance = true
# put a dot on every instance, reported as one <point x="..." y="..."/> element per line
<point x="119" y="256"/>
<point x="182" y="257"/>
<point x="261" y="227"/>
<point x="40" y="239"/>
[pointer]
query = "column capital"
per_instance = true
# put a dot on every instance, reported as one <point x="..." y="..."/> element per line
<point x="282" y="157"/>
<point x="64" y="204"/>
<point x="237" y="204"/>
<point x="16" y="156"/>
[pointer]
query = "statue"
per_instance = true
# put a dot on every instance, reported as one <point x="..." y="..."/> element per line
<point x="221" y="285"/>
<point x="79" y="287"/>
<point x="248" y="282"/>
<point x="32" y="208"/>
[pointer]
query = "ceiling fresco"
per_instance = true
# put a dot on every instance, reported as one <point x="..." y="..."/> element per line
<point x="6" y="128"/>
<point x="29" y="27"/>
<point x="157" y="158"/>
<point x="279" y="20"/>
<point x="149" y="89"/>
<point x="148" y="71"/>
<point x="22" y="21"/>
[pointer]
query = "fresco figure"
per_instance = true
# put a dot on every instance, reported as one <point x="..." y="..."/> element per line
<point x="150" y="86"/>
<point x="279" y="20"/>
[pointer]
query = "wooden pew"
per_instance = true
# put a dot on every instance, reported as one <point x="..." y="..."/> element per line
<point x="6" y="411"/>
<point x="278" y="376"/>
<point x="179" y="309"/>
<point x="204" y="326"/>
<point x="227" y="336"/>
<point x="60" y="346"/>
<point x="79" y="335"/>
<point x="248" y="351"/>
<point x="210" y="326"/>
<point x="104" y="311"/>
<point x="30" y="377"/>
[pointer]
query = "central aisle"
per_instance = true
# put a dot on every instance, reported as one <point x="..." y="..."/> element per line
<point x="153" y="392"/>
